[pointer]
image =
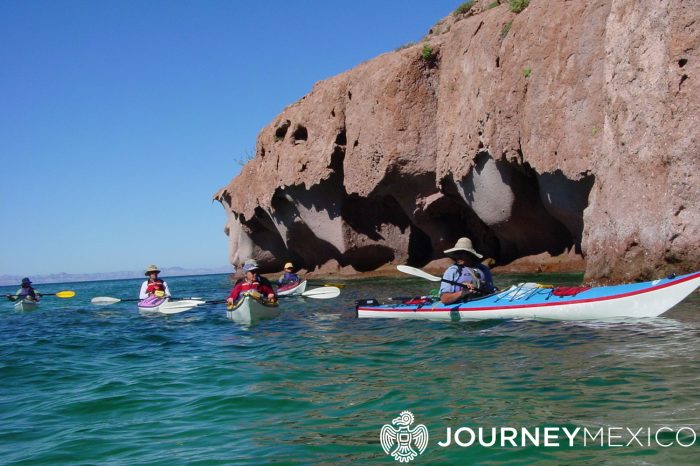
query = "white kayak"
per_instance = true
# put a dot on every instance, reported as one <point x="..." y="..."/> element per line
<point x="26" y="305"/>
<point x="251" y="308"/>
<point x="153" y="304"/>
<point x="533" y="301"/>
<point x="294" y="288"/>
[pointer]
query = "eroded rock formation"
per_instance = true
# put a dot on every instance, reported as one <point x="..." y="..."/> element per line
<point x="566" y="131"/>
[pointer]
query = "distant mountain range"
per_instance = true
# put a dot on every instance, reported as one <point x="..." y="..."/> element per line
<point x="63" y="277"/>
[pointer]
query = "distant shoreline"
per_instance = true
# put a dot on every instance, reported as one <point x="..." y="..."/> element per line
<point x="388" y="271"/>
<point x="6" y="280"/>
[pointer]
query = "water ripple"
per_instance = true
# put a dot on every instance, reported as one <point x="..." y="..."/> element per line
<point x="88" y="385"/>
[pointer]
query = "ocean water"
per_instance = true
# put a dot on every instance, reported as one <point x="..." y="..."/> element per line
<point x="82" y="384"/>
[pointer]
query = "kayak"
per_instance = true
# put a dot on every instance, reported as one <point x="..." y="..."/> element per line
<point x="154" y="304"/>
<point x="251" y="308"/>
<point x="293" y="288"/>
<point x="534" y="301"/>
<point x="26" y="305"/>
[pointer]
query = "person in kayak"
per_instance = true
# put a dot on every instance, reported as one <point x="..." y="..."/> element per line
<point x="289" y="276"/>
<point x="26" y="291"/>
<point x="154" y="286"/>
<point x="475" y="277"/>
<point x="252" y="281"/>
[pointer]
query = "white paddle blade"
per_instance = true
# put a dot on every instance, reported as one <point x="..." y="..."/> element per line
<point x="324" y="292"/>
<point x="104" y="300"/>
<point x="417" y="273"/>
<point x="176" y="307"/>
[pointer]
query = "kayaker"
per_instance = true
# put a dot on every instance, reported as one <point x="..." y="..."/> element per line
<point x="289" y="276"/>
<point x="154" y="286"/>
<point x="475" y="277"/>
<point x="251" y="281"/>
<point x="26" y="291"/>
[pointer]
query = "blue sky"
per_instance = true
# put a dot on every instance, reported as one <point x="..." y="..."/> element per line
<point x="120" y="119"/>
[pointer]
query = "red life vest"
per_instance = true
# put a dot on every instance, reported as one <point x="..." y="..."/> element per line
<point x="245" y="286"/>
<point x="155" y="285"/>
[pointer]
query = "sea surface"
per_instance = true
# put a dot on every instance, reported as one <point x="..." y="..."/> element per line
<point x="82" y="384"/>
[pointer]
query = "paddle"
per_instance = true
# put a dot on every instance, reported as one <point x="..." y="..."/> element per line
<point x="324" y="292"/>
<point x="335" y="285"/>
<point x="107" y="300"/>
<point x="419" y="273"/>
<point x="60" y="294"/>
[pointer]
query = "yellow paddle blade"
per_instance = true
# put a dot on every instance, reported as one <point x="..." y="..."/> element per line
<point x="65" y="294"/>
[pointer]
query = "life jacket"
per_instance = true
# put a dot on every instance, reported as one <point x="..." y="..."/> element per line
<point x="467" y="274"/>
<point x="287" y="278"/>
<point x="155" y="285"/>
<point x="474" y="275"/>
<point x="246" y="286"/>
<point x="28" y="292"/>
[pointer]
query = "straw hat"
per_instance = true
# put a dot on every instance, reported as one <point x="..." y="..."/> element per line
<point x="151" y="268"/>
<point x="463" y="244"/>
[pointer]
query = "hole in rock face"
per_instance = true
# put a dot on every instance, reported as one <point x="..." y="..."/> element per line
<point x="369" y="216"/>
<point x="341" y="139"/>
<point x="420" y="248"/>
<point x="337" y="158"/>
<point x="683" y="79"/>
<point x="300" y="133"/>
<point x="281" y="131"/>
<point x="368" y="257"/>
<point x="682" y="62"/>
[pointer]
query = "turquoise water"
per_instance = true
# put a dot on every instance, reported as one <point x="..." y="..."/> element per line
<point x="82" y="384"/>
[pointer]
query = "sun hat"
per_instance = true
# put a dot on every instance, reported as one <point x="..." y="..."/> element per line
<point x="26" y="281"/>
<point x="151" y="268"/>
<point x="288" y="265"/>
<point x="249" y="265"/>
<point x="463" y="244"/>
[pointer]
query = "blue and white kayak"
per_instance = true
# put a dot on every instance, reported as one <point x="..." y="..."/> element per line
<point x="533" y="301"/>
<point x="251" y="308"/>
<point x="26" y="305"/>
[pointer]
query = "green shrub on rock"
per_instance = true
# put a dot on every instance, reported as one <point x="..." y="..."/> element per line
<point x="516" y="6"/>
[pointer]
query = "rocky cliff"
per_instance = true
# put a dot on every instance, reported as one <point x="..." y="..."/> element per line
<point x="560" y="135"/>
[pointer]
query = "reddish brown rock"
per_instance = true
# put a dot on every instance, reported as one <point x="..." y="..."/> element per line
<point x="566" y="134"/>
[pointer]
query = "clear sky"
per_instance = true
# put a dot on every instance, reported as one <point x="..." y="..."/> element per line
<point x="119" y="120"/>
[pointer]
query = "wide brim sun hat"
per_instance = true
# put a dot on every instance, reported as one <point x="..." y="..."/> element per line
<point x="151" y="268"/>
<point x="463" y="244"/>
